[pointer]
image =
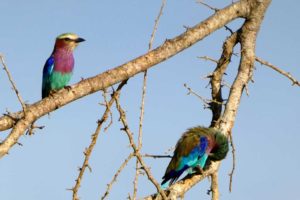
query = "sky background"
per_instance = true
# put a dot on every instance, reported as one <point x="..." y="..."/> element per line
<point x="266" y="128"/>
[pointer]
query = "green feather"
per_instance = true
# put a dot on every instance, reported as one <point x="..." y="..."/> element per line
<point x="190" y="139"/>
<point x="219" y="152"/>
<point x="59" y="80"/>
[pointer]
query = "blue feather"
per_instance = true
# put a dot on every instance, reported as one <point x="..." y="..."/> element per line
<point x="196" y="157"/>
<point x="47" y="71"/>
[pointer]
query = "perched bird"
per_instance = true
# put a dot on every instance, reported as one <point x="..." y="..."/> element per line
<point x="192" y="150"/>
<point x="58" y="68"/>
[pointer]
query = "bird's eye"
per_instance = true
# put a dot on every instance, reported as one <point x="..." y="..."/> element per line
<point x="67" y="39"/>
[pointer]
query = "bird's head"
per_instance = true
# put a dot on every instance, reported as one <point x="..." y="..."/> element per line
<point x="68" y="40"/>
<point x="221" y="148"/>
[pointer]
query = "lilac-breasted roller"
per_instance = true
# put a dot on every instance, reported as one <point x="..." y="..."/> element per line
<point x="192" y="151"/>
<point x="58" y="68"/>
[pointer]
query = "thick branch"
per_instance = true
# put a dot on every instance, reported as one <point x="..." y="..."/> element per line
<point x="217" y="76"/>
<point x="123" y="72"/>
<point x="140" y="64"/>
<point x="247" y="38"/>
<point x="215" y="186"/>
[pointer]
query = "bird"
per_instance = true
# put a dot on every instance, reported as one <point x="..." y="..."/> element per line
<point x="193" y="149"/>
<point x="58" y="68"/>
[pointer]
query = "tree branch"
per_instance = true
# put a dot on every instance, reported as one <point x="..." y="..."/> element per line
<point x="215" y="186"/>
<point x="123" y="72"/>
<point x="217" y="76"/>
<point x="284" y="73"/>
<point x="13" y="83"/>
<point x="88" y="151"/>
<point x="136" y="150"/>
<point x="168" y="49"/>
<point x="140" y="135"/>
<point x="116" y="176"/>
<point x="247" y="38"/>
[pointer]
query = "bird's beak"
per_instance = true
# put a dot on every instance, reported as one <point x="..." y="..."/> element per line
<point x="79" y="40"/>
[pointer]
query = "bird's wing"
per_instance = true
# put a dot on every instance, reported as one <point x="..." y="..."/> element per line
<point x="47" y="71"/>
<point x="188" y="152"/>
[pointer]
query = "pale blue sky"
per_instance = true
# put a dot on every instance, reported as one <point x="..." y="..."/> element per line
<point x="265" y="132"/>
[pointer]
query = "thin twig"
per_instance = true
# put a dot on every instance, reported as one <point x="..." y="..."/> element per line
<point x="88" y="151"/>
<point x="140" y="135"/>
<point x="233" y="161"/>
<point x="210" y="7"/>
<point x="207" y="102"/>
<point x="135" y="149"/>
<point x="284" y="73"/>
<point x="116" y="176"/>
<point x="156" y="23"/>
<point x="156" y="156"/>
<point x="208" y="58"/>
<point x="108" y="107"/>
<point x="30" y="130"/>
<point x="13" y="83"/>
<point x="216" y="10"/>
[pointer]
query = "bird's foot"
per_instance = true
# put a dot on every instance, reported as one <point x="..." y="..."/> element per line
<point x="67" y="87"/>
<point x="52" y="92"/>
<point x="199" y="170"/>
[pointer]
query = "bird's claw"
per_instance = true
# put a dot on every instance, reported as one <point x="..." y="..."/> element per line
<point x="67" y="87"/>
<point x="52" y="92"/>
<point x="199" y="169"/>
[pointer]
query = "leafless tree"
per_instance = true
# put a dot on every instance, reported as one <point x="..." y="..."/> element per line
<point x="223" y="112"/>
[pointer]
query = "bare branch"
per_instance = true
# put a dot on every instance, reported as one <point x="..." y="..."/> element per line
<point x="116" y="176"/>
<point x="216" y="10"/>
<point x="88" y="151"/>
<point x="123" y="72"/>
<point x="140" y="136"/>
<point x="208" y="58"/>
<point x="233" y="161"/>
<point x="247" y="38"/>
<point x="217" y="77"/>
<point x="163" y="3"/>
<point x="207" y="102"/>
<point x="208" y="6"/>
<point x="156" y="156"/>
<point x="284" y="73"/>
<point x="136" y="150"/>
<point x="13" y="83"/>
<point x="108" y="107"/>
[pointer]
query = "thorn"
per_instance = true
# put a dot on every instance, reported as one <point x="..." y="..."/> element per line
<point x="186" y="27"/>
<point x="167" y="40"/>
<point x="89" y="167"/>
<point x="209" y="191"/>
<point x="20" y="144"/>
